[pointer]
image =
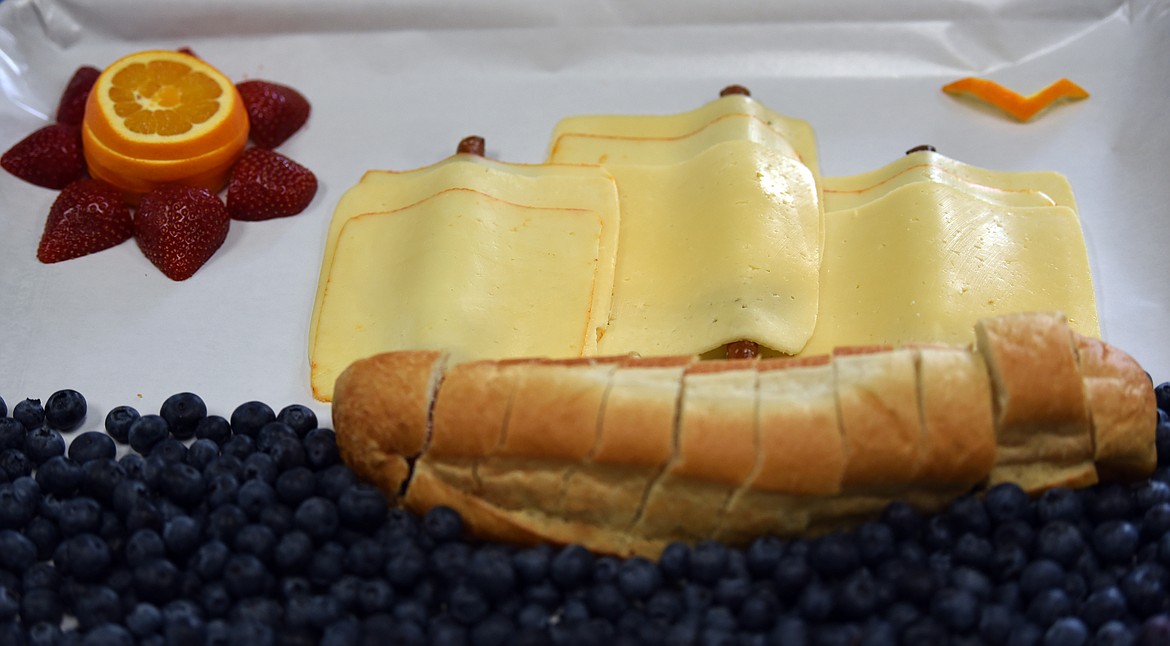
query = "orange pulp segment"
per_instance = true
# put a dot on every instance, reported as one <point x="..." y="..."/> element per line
<point x="162" y="117"/>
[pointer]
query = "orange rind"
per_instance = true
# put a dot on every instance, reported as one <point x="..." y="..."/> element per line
<point x="161" y="117"/>
<point x="1020" y="107"/>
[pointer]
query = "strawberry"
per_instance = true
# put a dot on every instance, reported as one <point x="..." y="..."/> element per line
<point x="88" y="216"/>
<point x="275" y="112"/>
<point x="179" y="228"/>
<point x="266" y="184"/>
<point x="50" y="157"/>
<point x="71" y="109"/>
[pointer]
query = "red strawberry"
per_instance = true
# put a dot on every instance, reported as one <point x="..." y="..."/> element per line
<point x="50" y="157"/>
<point x="179" y="228"/>
<point x="266" y="185"/>
<point x="71" y="109"/>
<point x="88" y="216"/>
<point x="275" y="112"/>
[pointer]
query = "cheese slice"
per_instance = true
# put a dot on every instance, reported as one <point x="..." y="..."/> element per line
<point x="925" y="261"/>
<point x="556" y="186"/>
<point x="721" y="247"/>
<point x="669" y="139"/>
<point x="1043" y="188"/>
<point x="461" y="271"/>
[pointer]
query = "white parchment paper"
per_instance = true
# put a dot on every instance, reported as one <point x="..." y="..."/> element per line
<point x="395" y="85"/>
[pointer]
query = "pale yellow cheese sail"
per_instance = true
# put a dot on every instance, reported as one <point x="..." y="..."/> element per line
<point x="721" y="247"/>
<point x="720" y="228"/>
<point x="556" y="186"/>
<point x="925" y="261"/>
<point x="461" y="271"/>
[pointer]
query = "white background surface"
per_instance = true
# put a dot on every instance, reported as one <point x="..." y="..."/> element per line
<point x="395" y="85"/>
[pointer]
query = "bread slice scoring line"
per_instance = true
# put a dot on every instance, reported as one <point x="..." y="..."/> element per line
<point x="653" y="482"/>
<point x="572" y="469"/>
<point x="438" y="373"/>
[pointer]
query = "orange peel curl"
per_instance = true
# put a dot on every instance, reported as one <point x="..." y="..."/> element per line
<point x="1022" y="108"/>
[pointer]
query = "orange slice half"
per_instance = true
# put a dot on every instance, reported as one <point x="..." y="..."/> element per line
<point x="160" y="117"/>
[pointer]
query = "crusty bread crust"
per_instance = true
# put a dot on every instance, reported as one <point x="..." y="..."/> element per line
<point x="1122" y="406"/>
<point x="387" y="407"/>
<point x="624" y="454"/>
<point x="1040" y="408"/>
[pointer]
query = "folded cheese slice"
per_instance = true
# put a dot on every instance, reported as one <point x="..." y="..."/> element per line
<point x="465" y="272"/>
<point x="588" y="191"/>
<point x="925" y="261"/>
<point x="1039" y="188"/>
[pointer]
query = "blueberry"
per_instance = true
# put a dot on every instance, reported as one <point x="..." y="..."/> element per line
<point x="260" y="466"/>
<point x="443" y="524"/>
<point x="318" y="517"/>
<point x="183" y="412"/>
<point x="29" y="413"/>
<point x="92" y="445"/>
<point x="570" y="567"/>
<point x="957" y="609"/>
<point x="182" y="536"/>
<point x="41" y="605"/>
<point x="1103" y="606"/>
<point x="257" y="540"/>
<point x="144" y="545"/>
<point x="294" y="551"/>
<point x="321" y="448"/>
<point x="327" y="564"/>
<point x="79" y="515"/>
<point x="3" y="408"/>
<point x="169" y="450"/>
<point x="245" y="576"/>
<point x="295" y="485"/>
<point x="248" y="418"/>
<point x="1040" y="575"/>
<point x="708" y="561"/>
<point x="118" y="423"/>
<point x="791" y="576"/>
<point x="40" y="575"/>
<point x="1007" y="502"/>
<point x="17" y="552"/>
<point x="99" y="605"/>
<point x="1115" y="633"/>
<point x="1060" y="503"/>
<point x="1144" y="588"/>
<point x="375" y="595"/>
<point x="59" y="476"/>
<point x="147" y="431"/>
<point x="86" y="556"/>
<point x="1162" y="396"/>
<point x="222" y="490"/>
<point x="65" y="410"/>
<point x="209" y="560"/>
<point x="815" y="602"/>
<point x="108" y="634"/>
<point x="271" y="433"/>
<point x="1067" y="631"/>
<point x="1060" y="541"/>
<point x="490" y="570"/>
<point x="201" y="453"/>
<point x="995" y="622"/>
<point x="875" y="542"/>
<point x="300" y="418"/>
<point x="1048" y="606"/>
<point x="362" y="507"/>
<point x="17" y="506"/>
<point x="835" y="554"/>
<point x="12" y="434"/>
<point x="15" y="463"/>
<point x="675" y="561"/>
<point x="43" y="444"/>
<point x="224" y="521"/>
<point x="335" y="480"/>
<point x="45" y="634"/>
<point x="1115" y="541"/>
<point x="254" y="496"/>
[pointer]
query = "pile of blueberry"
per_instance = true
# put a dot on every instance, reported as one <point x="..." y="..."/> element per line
<point x="250" y="530"/>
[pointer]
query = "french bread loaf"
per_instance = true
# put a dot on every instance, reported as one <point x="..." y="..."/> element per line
<point x="627" y="454"/>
